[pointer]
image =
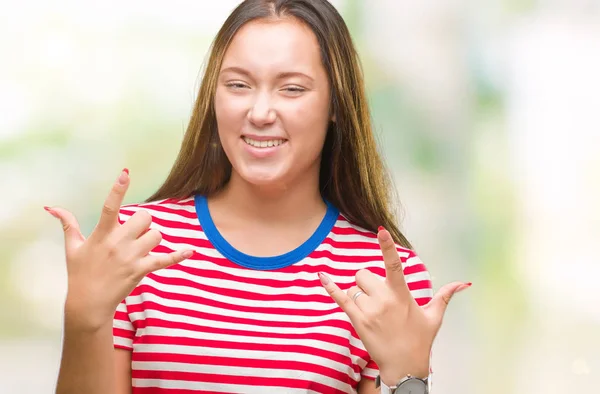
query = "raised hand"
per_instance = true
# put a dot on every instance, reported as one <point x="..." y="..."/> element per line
<point x="396" y="331"/>
<point x="104" y="268"/>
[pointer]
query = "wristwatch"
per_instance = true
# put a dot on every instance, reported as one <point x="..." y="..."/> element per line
<point x="408" y="385"/>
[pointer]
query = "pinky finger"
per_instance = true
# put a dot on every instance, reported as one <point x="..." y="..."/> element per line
<point x="151" y="263"/>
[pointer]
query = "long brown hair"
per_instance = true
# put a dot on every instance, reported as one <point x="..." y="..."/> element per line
<point x="352" y="174"/>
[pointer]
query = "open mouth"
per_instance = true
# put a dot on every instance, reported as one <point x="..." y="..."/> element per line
<point x="264" y="143"/>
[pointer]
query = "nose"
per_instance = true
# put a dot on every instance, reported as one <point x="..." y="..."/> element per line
<point x="261" y="113"/>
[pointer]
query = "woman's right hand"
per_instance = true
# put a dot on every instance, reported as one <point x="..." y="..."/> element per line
<point x="104" y="268"/>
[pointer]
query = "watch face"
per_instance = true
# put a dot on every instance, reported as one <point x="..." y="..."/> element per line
<point x="412" y="386"/>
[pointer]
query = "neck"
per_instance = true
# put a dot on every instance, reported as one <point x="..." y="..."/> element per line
<point x="283" y="203"/>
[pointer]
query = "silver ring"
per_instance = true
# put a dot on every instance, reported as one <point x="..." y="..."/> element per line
<point x="357" y="294"/>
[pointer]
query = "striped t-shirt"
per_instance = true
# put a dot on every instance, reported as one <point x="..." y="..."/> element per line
<point x="226" y="322"/>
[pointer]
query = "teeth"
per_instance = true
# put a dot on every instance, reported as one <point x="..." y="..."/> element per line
<point x="263" y="144"/>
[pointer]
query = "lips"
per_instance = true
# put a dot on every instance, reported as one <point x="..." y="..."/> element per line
<point x="264" y="143"/>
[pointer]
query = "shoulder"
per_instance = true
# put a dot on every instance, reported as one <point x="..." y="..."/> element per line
<point x="353" y="236"/>
<point x="162" y="212"/>
<point x="363" y="248"/>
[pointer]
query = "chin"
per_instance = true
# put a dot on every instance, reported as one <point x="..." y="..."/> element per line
<point x="264" y="180"/>
<point x="267" y="178"/>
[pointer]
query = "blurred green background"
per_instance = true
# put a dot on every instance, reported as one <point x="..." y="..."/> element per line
<point x="487" y="113"/>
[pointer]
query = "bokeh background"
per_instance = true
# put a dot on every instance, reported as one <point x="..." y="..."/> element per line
<point x="487" y="112"/>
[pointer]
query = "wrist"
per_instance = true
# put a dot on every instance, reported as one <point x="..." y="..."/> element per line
<point x="84" y="318"/>
<point x="391" y="374"/>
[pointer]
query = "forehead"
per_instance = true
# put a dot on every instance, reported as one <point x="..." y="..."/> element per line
<point x="274" y="46"/>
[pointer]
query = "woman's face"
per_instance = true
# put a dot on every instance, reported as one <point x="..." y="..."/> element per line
<point x="272" y="102"/>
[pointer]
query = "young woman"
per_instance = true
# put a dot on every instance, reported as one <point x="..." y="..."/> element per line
<point x="260" y="264"/>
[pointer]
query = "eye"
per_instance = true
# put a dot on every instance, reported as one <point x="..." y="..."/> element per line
<point x="236" y="85"/>
<point x="294" y="89"/>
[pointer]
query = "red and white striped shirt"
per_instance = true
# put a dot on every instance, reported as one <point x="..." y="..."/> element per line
<point x="225" y="322"/>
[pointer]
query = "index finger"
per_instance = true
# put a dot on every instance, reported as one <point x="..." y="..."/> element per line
<point x="112" y="204"/>
<point x="394" y="273"/>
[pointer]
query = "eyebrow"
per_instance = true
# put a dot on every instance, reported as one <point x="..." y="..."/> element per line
<point x="281" y="75"/>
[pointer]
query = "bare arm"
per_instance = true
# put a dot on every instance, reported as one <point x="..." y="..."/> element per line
<point x="87" y="364"/>
<point x="91" y="365"/>
<point x="123" y="371"/>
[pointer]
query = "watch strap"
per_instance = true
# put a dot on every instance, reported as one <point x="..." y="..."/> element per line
<point x="385" y="389"/>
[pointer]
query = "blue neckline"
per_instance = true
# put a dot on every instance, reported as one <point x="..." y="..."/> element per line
<point x="263" y="263"/>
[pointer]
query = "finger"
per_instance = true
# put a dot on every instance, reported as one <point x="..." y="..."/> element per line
<point x="112" y="204"/>
<point x="359" y="296"/>
<point x="369" y="282"/>
<point x="342" y="299"/>
<point x="153" y="263"/>
<point x="438" y="304"/>
<point x="73" y="236"/>
<point x="394" y="273"/>
<point x="138" y="224"/>
<point x="150" y="240"/>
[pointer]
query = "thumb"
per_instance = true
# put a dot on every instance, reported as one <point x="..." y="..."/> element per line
<point x="73" y="236"/>
<point x="438" y="304"/>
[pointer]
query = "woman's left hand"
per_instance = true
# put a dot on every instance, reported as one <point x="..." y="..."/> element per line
<point x="396" y="331"/>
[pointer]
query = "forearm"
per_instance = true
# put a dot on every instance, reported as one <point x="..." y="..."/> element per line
<point x="87" y="364"/>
